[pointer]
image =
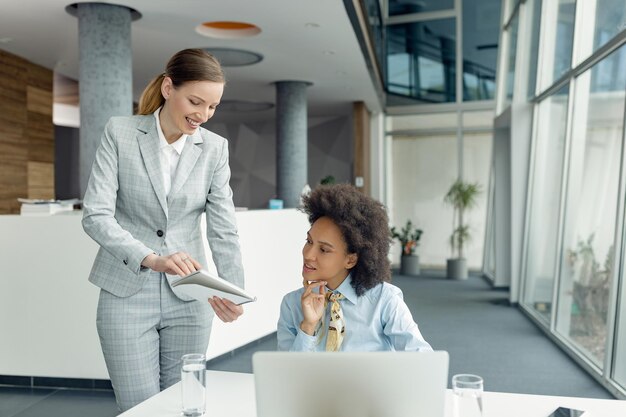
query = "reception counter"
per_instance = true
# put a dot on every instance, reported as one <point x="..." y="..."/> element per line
<point x="48" y="308"/>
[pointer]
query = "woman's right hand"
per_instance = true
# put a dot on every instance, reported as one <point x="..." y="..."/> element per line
<point x="312" y="305"/>
<point x="178" y="263"/>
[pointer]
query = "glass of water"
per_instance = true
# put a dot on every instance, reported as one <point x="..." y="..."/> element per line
<point x="468" y="395"/>
<point x="193" y="383"/>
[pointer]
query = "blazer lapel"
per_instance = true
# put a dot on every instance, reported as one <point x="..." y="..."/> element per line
<point x="187" y="161"/>
<point x="148" y="140"/>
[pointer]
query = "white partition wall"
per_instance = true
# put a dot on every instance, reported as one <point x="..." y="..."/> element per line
<point x="271" y="245"/>
<point x="48" y="308"/>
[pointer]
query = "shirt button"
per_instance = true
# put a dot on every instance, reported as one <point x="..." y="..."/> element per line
<point x="160" y="233"/>
<point x="125" y="261"/>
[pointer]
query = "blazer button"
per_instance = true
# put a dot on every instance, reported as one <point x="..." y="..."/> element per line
<point x="160" y="233"/>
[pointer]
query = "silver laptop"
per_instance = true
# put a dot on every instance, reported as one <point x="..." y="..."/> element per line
<point x="350" y="384"/>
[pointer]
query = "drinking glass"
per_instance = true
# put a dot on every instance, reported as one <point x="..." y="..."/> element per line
<point x="193" y="383"/>
<point x="468" y="395"/>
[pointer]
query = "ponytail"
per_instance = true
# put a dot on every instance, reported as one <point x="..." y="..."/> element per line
<point x="188" y="65"/>
<point x="151" y="98"/>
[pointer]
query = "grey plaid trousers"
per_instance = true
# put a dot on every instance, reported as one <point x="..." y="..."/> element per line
<point x="144" y="336"/>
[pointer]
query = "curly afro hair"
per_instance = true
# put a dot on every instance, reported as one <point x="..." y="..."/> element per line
<point x="364" y="225"/>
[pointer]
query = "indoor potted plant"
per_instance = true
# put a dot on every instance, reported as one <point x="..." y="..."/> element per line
<point x="461" y="196"/>
<point x="328" y="180"/>
<point x="409" y="238"/>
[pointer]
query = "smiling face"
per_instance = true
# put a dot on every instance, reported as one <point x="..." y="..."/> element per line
<point x="325" y="254"/>
<point x="187" y="106"/>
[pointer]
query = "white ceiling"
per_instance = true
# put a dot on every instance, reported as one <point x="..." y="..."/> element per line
<point x="328" y="56"/>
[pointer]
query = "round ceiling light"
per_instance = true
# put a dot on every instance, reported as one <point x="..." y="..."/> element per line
<point x="244" y="106"/>
<point x="234" y="57"/>
<point x="227" y="30"/>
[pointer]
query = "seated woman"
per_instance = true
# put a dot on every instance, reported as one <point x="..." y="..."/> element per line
<point x="347" y="303"/>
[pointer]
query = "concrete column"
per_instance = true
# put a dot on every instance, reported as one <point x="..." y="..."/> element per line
<point x="291" y="141"/>
<point x="105" y="75"/>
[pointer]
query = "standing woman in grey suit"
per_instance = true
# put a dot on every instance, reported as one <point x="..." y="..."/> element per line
<point x="154" y="176"/>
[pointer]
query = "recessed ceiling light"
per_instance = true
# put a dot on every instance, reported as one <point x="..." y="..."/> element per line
<point x="227" y="30"/>
<point x="328" y="52"/>
<point x="234" y="57"/>
<point x="5" y="39"/>
<point x="311" y="25"/>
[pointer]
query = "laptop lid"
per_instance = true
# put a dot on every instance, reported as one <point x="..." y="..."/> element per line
<point x="350" y="384"/>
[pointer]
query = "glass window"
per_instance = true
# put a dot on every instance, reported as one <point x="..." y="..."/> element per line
<point x="541" y="244"/>
<point x="564" y="38"/>
<point x="481" y="29"/>
<point x="610" y="20"/>
<point x="604" y="19"/>
<point x="590" y="217"/>
<point x="398" y="7"/>
<point x="399" y="73"/>
<point x="510" y="72"/>
<point x="558" y="39"/>
<point x="534" y="9"/>
<point x="421" y="60"/>
<point x="375" y="20"/>
<point x="619" y="370"/>
<point x="610" y="76"/>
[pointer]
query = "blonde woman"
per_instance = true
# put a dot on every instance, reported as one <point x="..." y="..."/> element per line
<point x="155" y="174"/>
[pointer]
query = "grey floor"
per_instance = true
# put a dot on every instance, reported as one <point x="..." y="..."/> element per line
<point x="473" y="322"/>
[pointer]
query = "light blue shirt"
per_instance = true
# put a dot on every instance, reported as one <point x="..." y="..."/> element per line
<point x="379" y="320"/>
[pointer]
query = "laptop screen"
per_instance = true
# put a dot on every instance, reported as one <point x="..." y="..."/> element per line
<point x="350" y="384"/>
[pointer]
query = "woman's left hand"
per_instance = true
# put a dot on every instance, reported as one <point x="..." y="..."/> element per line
<point x="225" y="309"/>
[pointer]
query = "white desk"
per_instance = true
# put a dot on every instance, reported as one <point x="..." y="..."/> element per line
<point x="231" y="393"/>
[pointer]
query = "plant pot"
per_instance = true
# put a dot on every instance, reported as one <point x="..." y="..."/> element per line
<point x="457" y="268"/>
<point x="410" y="265"/>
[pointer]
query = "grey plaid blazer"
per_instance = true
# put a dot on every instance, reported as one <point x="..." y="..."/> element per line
<point x="126" y="212"/>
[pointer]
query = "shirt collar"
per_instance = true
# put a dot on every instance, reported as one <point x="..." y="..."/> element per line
<point x="347" y="290"/>
<point x="180" y="142"/>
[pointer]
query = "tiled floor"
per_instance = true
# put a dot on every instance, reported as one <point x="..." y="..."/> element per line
<point x="39" y="402"/>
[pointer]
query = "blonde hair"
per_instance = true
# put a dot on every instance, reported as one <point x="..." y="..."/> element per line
<point x="185" y="66"/>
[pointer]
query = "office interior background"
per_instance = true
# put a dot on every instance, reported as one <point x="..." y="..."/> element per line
<point x="525" y="97"/>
